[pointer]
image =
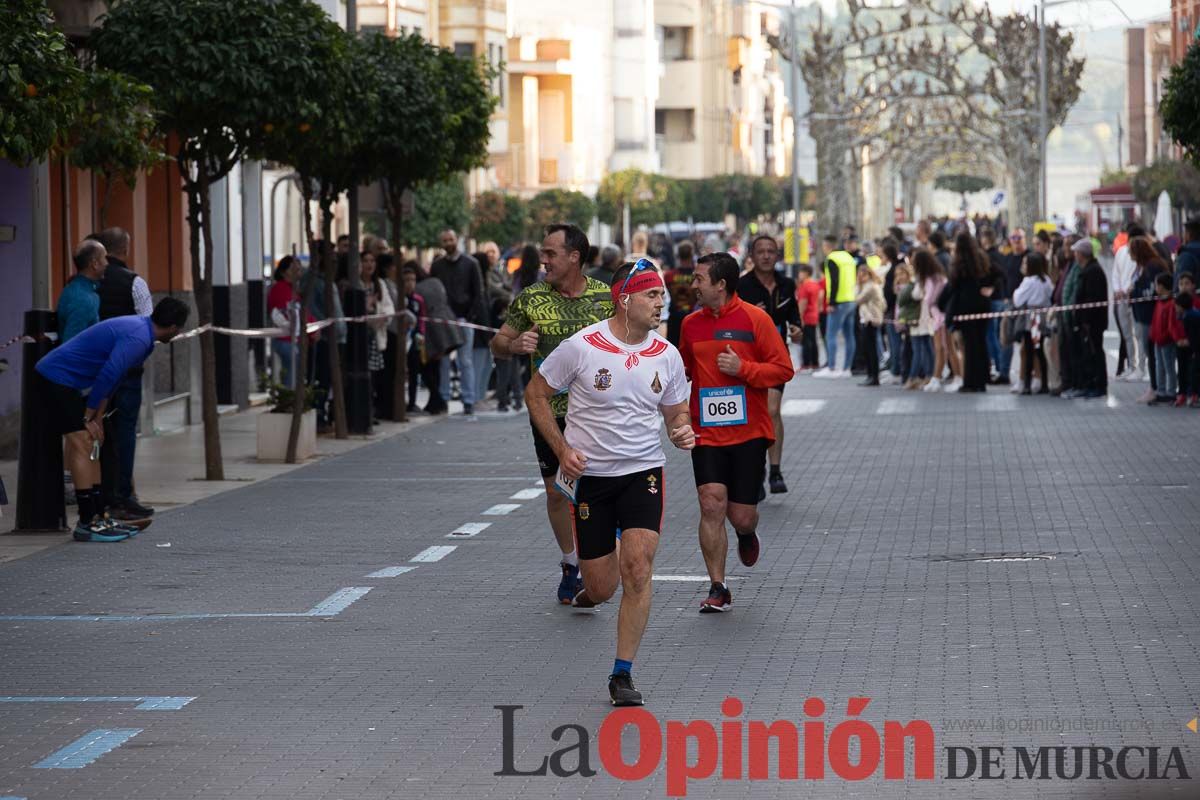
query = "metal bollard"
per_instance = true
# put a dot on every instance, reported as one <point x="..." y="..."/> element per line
<point x="40" y="504"/>
<point x="358" y="377"/>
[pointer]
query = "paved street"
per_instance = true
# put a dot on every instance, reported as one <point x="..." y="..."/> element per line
<point x="249" y="646"/>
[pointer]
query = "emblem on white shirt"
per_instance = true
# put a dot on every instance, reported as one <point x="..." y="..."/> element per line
<point x="656" y="384"/>
<point x="603" y="380"/>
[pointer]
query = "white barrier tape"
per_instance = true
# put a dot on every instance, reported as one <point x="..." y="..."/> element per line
<point x="1049" y="311"/>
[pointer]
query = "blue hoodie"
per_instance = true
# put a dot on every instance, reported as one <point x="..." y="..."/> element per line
<point x="1187" y="260"/>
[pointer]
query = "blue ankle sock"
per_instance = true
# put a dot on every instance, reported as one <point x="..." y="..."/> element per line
<point x="621" y="665"/>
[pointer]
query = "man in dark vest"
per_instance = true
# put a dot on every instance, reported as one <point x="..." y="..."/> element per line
<point x="123" y="293"/>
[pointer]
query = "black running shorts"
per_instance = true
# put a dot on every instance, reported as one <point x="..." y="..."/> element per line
<point x="64" y="407"/>
<point x="604" y="506"/>
<point x="740" y="467"/>
<point x="547" y="460"/>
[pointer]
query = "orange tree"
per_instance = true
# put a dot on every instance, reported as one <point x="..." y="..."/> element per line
<point x="223" y="74"/>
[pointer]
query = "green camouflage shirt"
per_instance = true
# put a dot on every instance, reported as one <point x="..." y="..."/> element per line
<point x="557" y="318"/>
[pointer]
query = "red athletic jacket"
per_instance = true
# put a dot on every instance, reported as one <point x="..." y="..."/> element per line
<point x="765" y="363"/>
<point x="1166" y="328"/>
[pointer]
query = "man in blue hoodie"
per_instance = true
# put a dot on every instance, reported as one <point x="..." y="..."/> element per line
<point x="76" y="381"/>
<point x="1188" y="257"/>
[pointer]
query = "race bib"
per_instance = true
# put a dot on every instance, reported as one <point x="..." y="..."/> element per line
<point x="565" y="486"/>
<point x="724" y="405"/>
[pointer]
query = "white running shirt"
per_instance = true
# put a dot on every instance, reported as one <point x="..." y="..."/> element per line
<point x="616" y="390"/>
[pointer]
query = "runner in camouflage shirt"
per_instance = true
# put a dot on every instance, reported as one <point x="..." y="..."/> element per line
<point x="540" y="318"/>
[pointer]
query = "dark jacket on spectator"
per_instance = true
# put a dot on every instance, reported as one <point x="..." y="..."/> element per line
<point x="1093" y="288"/>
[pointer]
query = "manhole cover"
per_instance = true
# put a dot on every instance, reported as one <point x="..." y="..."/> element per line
<point x="999" y="557"/>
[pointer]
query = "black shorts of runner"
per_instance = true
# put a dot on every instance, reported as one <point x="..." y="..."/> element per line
<point x="604" y="505"/>
<point x="739" y="467"/>
<point x="547" y="460"/>
<point x="64" y="406"/>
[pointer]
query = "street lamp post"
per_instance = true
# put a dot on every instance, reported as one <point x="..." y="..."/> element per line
<point x="794" y="30"/>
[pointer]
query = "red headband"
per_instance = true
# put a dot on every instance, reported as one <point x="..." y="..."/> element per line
<point x="640" y="282"/>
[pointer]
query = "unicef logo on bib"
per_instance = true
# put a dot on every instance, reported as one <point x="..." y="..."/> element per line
<point x="724" y="405"/>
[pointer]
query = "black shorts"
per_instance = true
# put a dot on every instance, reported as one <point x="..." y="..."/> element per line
<point x="739" y="467"/>
<point x="606" y="505"/>
<point x="64" y="406"/>
<point x="547" y="460"/>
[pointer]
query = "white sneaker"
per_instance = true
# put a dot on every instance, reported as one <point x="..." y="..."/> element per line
<point x="934" y="385"/>
<point x="1144" y="376"/>
<point x="1015" y="388"/>
<point x="842" y="373"/>
<point x="1036" y="387"/>
<point x="954" y="385"/>
<point x="825" y="372"/>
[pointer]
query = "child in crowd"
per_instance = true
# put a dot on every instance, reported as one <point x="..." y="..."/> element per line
<point x="1034" y="292"/>
<point x="1166" y="331"/>
<point x="871" y="307"/>
<point x="908" y="312"/>
<point x="810" y="299"/>
<point x="1187" y="305"/>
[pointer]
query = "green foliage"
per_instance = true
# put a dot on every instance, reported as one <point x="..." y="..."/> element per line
<point x="433" y="114"/>
<point x="223" y="73"/>
<point x="1180" y="106"/>
<point x="651" y="198"/>
<point x="282" y="400"/>
<point x="322" y="138"/>
<point x="39" y="82"/>
<point x="963" y="184"/>
<point x="1112" y="177"/>
<point x="436" y="207"/>
<point x="116" y="135"/>
<point x="1179" y="179"/>
<point x="558" y="205"/>
<point x="499" y="217"/>
<point x="745" y="196"/>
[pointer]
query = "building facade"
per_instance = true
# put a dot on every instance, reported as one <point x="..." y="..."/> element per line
<point x="1148" y="62"/>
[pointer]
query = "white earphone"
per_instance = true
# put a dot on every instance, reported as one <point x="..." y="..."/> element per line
<point x="625" y="300"/>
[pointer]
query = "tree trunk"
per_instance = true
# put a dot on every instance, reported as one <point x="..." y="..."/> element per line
<point x="1023" y="168"/>
<point x="200" y="222"/>
<point x="329" y="263"/>
<point x="300" y="376"/>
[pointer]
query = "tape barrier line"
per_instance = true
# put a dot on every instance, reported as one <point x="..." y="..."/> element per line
<point x="313" y="327"/>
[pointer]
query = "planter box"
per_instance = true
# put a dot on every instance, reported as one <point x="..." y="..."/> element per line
<point x="273" y="430"/>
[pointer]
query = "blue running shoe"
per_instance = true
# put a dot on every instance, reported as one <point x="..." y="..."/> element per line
<point x="570" y="585"/>
<point x="98" y="530"/>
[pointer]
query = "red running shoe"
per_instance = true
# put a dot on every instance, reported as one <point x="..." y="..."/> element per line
<point x="719" y="599"/>
<point x="748" y="547"/>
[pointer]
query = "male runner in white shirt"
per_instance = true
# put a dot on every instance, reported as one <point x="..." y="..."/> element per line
<point x="621" y="375"/>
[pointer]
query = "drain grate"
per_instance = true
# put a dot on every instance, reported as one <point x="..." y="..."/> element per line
<point x="992" y="558"/>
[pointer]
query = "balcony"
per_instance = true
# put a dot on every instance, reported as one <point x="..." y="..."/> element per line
<point x="680" y="85"/>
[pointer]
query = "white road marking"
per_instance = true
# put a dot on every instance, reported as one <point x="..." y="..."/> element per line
<point x="894" y="405"/>
<point x="390" y="572"/>
<point x="468" y="529"/>
<point x="529" y="494"/>
<point x="500" y="509"/>
<point x="800" y="408"/>
<point x="435" y="553"/>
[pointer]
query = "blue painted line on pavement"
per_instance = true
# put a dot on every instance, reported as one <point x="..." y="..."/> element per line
<point x="11" y="797"/>
<point x="339" y="601"/>
<point x="336" y="603"/>
<point x="88" y="748"/>
<point x="145" y="703"/>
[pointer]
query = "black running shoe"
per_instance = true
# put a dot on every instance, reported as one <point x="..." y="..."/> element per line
<point x="131" y="509"/>
<point x="777" y="484"/>
<point x="622" y="691"/>
<point x="748" y="547"/>
<point x="719" y="599"/>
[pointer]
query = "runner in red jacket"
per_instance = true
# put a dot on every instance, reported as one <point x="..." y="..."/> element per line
<point x="733" y="355"/>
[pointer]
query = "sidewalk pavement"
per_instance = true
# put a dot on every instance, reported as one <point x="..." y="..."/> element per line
<point x="170" y="470"/>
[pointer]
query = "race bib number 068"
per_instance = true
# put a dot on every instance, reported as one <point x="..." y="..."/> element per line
<point x="725" y="405"/>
